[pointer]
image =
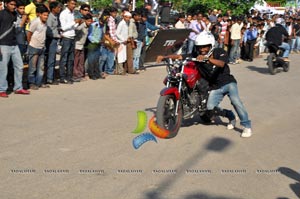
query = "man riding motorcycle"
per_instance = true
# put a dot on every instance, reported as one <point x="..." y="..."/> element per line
<point x="212" y="63"/>
<point x="276" y="35"/>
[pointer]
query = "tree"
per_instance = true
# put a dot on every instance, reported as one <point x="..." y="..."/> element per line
<point x="99" y="4"/>
<point x="237" y="7"/>
<point x="280" y="2"/>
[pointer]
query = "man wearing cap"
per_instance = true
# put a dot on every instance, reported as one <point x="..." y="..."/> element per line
<point x="122" y="38"/>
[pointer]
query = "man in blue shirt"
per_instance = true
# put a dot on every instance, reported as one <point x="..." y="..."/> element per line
<point x="95" y="34"/>
<point x="249" y="41"/>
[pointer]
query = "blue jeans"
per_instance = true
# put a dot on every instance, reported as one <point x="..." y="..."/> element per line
<point x="110" y="61"/>
<point x="52" y="47"/>
<point x="286" y="48"/>
<point x="13" y="53"/>
<point x="67" y="58"/>
<point x="297" y="47"/>
<point x="292" y="44"/>
<point x="23" y="49"/>
<point x="219" y="45"/>
<point x="231" y="89"/>
<point x="36" y="65"/>
<point x="106" y="60"/>
<point x="234" y="52"/>
<point x="191" y="44"/>
<point x="137" y="54"/>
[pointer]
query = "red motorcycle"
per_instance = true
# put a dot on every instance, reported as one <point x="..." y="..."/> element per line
<point x="184" y="96"/>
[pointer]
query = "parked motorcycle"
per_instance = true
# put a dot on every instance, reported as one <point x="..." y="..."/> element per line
<point x="184" y="96"/>
<point x="275" y="60"/>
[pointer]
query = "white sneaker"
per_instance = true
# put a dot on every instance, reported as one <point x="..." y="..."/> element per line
<point x="230" y="126"/>
<point x="247" y="132"/>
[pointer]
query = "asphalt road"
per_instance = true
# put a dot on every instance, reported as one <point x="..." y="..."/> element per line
<point x="75" y="142"/>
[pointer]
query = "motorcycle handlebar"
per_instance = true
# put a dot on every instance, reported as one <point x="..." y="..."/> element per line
<point x="177" y="63"/>
<point x="170" y="61"/>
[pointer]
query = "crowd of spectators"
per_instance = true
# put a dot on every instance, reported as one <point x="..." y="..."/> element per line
<point x="243" y="37"/>
<point x="91" y="46"/>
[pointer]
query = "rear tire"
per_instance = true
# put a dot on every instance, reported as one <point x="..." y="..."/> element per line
<point x="270" y="63"/>
<point x="286" y="66"/>
<point x="165" y="114"/>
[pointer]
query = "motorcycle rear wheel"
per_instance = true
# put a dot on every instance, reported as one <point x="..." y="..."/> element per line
<point x="165" y="114"/>
<point x="270" y="63"/>
<point x="286" y="66"/>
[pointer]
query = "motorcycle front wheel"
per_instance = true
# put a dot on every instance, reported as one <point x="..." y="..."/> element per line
<point x="166" y="114"/>
<point x="270" y="63"/>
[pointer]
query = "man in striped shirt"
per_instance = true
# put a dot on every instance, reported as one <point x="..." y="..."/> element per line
<point x="112" y="28"/>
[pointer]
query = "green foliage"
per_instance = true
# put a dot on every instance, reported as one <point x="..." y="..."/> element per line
<point x="99" y="4"/>
<point x="236" y="6"/>
<point x="192" y="6"/>
<point x="281" y="2"/>
<point x="139" y="4"/>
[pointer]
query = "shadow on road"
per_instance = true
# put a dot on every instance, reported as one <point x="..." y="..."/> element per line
<point x="197" y="120"/>
<point x="293" y="175"/>
<point x="217" y="145"/>
<point x="262" y="70"/>
<point x="206" y="196"/>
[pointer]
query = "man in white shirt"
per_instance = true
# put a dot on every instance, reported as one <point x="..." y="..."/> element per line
<point x="122" y="37"/>
<point x="68" y="25"/>
<point x="235" y="37"/>
<point x="180" y="23"/>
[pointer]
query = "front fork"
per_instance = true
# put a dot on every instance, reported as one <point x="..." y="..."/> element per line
<point x="175" y="91"/>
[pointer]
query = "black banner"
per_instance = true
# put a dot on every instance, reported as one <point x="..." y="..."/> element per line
<point x="166" y="42"/>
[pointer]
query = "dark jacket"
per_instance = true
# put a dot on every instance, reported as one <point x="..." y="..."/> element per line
<point x="141" y="29"/>
<point x="7" y="19"/>
<point x="216" y="76"/>
<point x="275" y="34"/>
